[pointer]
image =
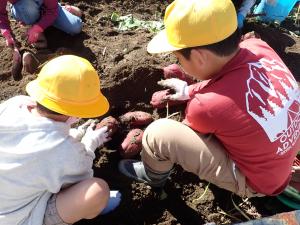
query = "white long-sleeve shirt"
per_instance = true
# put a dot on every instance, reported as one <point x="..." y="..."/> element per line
<point x="37" y="158"/>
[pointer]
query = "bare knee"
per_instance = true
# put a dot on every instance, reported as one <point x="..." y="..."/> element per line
<point x="97" y="196"/>
<point x="84" y="200"/>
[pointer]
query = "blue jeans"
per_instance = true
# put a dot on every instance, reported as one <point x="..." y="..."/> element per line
<point x="29" y="12"/>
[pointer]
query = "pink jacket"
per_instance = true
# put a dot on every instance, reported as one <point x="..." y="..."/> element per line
<point x="49" y="13"/>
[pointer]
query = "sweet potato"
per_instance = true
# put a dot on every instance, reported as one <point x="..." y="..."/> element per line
<point x="16" y="69"/>
<point x="159" y="100"/>
<point x="132" y="144"/>
<point x="174" y="71"/>
<point x="136" y="118"/>
<point x="30" y="62"/>
<point x="111" y="123"/>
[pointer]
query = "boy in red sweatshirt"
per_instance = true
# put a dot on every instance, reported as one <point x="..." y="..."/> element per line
<point x="241" y="128"/>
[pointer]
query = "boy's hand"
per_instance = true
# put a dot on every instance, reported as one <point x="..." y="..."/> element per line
<point x="10" y="42"/>
<point x="179" y="86"/>
<point x="249" y="35"/>
<point x="95" y="138"/>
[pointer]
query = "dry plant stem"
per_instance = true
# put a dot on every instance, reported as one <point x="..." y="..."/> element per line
<point x="167" y="106"/>
<point x="231" y="216"/>
<point x="103" y="52"/>
<point x="201" y="196"/>
<point x="242" y="203"/>
<point x="238" y="208"/>
<point x="174" y="114"/>
<point x="108" y="151"/>
<point x="297" y="16"/>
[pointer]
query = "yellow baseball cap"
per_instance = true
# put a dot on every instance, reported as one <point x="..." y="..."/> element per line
<point x="69" y="85"/>
<point x="191" y="23"/>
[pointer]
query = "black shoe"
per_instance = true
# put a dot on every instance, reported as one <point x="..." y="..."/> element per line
<point x="136" y="170"/>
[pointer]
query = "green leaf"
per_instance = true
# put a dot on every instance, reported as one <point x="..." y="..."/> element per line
<point x="115" y="17"/>
<point x="128" y="22"/>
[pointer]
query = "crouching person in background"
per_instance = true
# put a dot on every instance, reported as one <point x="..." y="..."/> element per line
<point x="46" y="174"/>
<point x="243" y="7"/>
<point x="40" y="14"/>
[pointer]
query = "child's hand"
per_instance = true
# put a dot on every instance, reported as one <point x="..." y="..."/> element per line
<point x="33" y="34"/>
<point x="95" y="138"/>
<point x="179" y="86"/>
<point x="10" y="42"/>
<point x="79" y="132"/>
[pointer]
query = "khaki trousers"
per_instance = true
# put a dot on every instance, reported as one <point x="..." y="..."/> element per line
<point x="166" y="142"/>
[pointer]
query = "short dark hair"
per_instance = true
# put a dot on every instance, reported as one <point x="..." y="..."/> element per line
<point x="222" y="48"/>
<point x="42" y="108"/>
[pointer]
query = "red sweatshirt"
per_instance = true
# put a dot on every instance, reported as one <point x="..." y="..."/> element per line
<point x="48" y="15"/>
<point x="253" y="108"/>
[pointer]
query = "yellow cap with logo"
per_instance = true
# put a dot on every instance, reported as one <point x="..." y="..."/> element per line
<point x="191" y="23"/>
<point x="69" y="85"/>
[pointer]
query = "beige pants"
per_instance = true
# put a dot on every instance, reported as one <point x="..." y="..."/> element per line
<point x="166" y="142"/>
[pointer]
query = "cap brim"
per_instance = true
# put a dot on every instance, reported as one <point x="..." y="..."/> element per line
<point x="95" y="108"/>
<point x="160" y="44"/>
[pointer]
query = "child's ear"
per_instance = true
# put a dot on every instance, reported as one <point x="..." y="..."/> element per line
<point x="199" y="58"/>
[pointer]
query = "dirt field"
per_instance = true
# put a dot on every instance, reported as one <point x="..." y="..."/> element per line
<point x="128" y="78"/>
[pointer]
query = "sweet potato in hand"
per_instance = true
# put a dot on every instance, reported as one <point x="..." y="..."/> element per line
<point x="136" y="118"/>
<point x="159" y="99"/>
<point x="111" y="123"/>
<point x="132" y="144"/>
<point x="174" y="71"/>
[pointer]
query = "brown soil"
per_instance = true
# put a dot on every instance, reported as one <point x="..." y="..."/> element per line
<point x="128" y="78"/>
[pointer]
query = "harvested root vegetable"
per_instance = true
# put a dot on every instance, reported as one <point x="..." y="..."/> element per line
<point x="30" y="63"/>
<point x="16" y="69"/>
<point x="159" y="99"/>
<point x="136" y="118"/>
<point x="132" y="144"/>
<point x="111" y="123"/>
<point x="174" y="71"/>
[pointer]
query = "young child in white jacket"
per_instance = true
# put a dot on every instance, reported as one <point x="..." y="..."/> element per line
<point x="46" y="174"/>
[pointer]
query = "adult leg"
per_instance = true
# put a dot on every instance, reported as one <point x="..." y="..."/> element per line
<point x="27" y="11"/>
<point x="84" y="200"/>
<point x="67" y="22"/>
<point x="166" y="142"/>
